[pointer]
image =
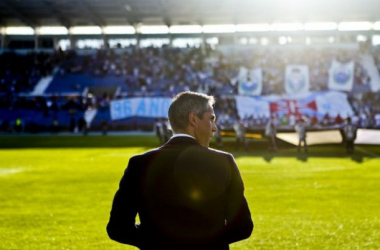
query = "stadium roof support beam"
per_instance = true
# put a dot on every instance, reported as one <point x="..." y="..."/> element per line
<point x="131" y="11"/>
<point x="19" y="15"/>
<point x="93" y="16"/>
<point x="131" y="19"/>
<point x="2" y="22"/>
<point x="3" y="41"/>
<point x="63" y="21"/>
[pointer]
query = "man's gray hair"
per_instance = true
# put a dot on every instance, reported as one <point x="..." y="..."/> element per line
<point x="186" y="102"/>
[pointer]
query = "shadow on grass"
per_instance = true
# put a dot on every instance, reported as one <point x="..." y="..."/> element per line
<point x="63" y="141"/>
<point x="257" y="148"/>
<point x="290" y="151"/>
<point x="269" y="156"/>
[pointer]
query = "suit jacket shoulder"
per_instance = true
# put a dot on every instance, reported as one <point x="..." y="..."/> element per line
<point x="216" y="151"/>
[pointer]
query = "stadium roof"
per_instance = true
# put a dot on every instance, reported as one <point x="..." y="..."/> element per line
<point x="70" y="13"/>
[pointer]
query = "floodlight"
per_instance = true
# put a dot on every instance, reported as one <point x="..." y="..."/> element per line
<point x="85" y="30"/>
<point x="52" y="30"/>
<point x="321" y="26"/>
<point x="119" y="30"/>
<point x="24" y="30"/>
<point x="158" y="29"/>
<point x="286" y="27"/>
<point x="352" y="26"/>
<point x="185" y="29"/>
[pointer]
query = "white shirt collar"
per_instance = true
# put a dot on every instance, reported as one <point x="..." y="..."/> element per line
<point x="182" y="135"/>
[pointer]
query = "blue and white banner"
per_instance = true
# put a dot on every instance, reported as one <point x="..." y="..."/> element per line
<point x="252" y="106"/>
<point x="333" y="103"/>
<point x="297" y="79"/>
<point x="156" y="107"/>
<point x="341" y="76"/>
<point x="250" y="82"/>
<point x="369" y="64"/>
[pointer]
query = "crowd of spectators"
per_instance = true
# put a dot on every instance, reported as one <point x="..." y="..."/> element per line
<point x="20" y="73"/>
<point x="365" y="116"/>
<point x="158" y="71"/>
<point x="166" y="71"/>
<point x="273" y="64"/>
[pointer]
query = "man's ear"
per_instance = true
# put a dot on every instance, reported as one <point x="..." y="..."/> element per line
<point x="192" y="118"/>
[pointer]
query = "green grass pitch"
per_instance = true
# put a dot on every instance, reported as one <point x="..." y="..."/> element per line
<point x="56" y="194"/>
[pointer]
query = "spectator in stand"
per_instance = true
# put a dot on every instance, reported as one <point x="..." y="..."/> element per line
<point x="314" y="120"/>
<point x="166" y="71"/>
<point x="326" y="120"/>
<point x="300" y="128"/>
<point x="338" y="119"/>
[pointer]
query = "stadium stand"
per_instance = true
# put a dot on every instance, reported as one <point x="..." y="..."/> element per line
<point x="90" y="82"/>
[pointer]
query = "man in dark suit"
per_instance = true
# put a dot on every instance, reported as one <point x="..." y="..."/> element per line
<point x="187" y="195"/>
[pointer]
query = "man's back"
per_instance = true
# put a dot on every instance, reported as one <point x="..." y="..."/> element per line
<point x="186" y="195"/>
<point x="189" y="197"/>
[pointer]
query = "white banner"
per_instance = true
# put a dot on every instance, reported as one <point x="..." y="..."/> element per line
<point x="243" y="74"/>
<point x="250" y="82"/>
<point x="341" y="76"/>
<point x="145" y="107"/>
<point x="254" y="106"/>
<point x="334" y="103"/>
<point x="369" y="64"/>
<point x="297" y="79"/>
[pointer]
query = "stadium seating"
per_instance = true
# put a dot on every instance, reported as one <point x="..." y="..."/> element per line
<point x="152" y="72"/>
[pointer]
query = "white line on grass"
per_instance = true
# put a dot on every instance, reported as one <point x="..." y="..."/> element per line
<point x="8" y="171"/>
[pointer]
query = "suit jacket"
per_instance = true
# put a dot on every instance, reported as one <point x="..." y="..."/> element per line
<point x="187" y="197"/>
